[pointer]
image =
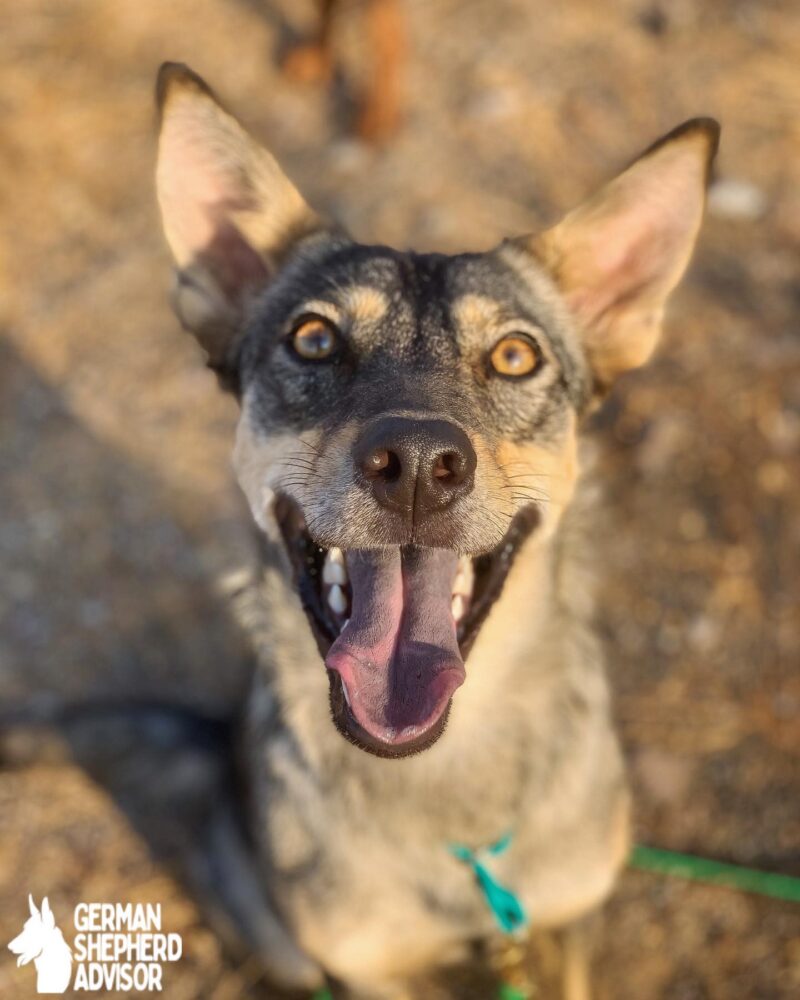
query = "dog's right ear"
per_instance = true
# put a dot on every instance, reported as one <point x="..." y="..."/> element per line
<point x="230" y="214"/>
<point x="617" y="257"/>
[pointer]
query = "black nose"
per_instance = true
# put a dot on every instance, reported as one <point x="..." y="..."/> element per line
<point x="415" y="467"/>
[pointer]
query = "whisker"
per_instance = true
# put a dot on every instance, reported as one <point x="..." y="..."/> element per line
<point x="313" y="447"/>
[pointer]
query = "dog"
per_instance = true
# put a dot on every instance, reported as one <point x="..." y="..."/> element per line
<point x="429" y="754"/>
<point x="43" y="942"/>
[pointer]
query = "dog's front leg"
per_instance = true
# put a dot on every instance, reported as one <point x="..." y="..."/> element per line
<point x="384" y="991"/>
<point x="224" y="866"/>
<point x="576" y="945"/>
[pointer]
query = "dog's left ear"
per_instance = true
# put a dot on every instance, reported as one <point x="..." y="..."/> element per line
<point x="617" y="257"/>
<point x="230" y="213"/>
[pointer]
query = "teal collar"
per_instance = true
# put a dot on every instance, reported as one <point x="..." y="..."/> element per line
<point x="504" y="904"/>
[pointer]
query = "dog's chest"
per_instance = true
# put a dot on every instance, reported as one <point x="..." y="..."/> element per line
<point x="401" y="899"/>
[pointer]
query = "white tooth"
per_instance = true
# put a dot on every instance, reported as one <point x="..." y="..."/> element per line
<point x="465" y="577"/>
<point x="336" y="556"/>
<point x="337" y="600"/>
<point x="458" y="607"/>
<point x="334" y="572"/>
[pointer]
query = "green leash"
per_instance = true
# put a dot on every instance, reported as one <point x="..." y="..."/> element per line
<point x="689" y="866"/>
<point x="505" y="905"/>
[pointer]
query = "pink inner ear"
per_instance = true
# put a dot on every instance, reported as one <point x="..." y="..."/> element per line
<point x="630" y="253"/>
<point x="234" y="263"/>
<point x="616" y="265"/>
<point x="201" y="189"/>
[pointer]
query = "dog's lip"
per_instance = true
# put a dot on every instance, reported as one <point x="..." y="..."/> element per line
<point x="439" y="698"/>
<point x="410" y="743"/>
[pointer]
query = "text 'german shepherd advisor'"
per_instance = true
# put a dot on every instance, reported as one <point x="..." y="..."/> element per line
<point x="429" y="749"/>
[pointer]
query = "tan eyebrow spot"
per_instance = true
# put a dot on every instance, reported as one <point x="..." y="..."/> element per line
<point x="319" y="307"/>
<point x="364" y="303"/>
<point x="471" y="311"/>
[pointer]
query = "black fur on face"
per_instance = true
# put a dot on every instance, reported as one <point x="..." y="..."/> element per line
<point x="419" y="351"/>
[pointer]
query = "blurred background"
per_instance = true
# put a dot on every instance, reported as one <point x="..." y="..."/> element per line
<point x="117" y="510"/>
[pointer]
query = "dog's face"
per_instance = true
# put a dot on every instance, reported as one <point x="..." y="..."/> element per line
<point x="38" y="930"/>
<point x="409" y="420"/>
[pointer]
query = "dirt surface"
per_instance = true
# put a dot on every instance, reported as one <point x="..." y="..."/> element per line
<point x="117" y="513"/>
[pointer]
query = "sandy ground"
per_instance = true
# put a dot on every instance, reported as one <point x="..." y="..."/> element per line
<point x="117" y="513"/>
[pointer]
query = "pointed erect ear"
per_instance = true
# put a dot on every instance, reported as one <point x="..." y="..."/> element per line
<point x="47" y="914"/>
<point x="32" y="906"/>
<point x="617" y="257"/>
<point x="230" y="213"/>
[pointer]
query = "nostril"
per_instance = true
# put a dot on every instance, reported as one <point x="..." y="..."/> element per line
<point x="449" y="468"/>
<point x="377" y="460"/>
<point x="382" y="464"/>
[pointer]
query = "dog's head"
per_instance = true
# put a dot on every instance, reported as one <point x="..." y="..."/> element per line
<point x="38" y="931"/>
<point x="408" y="420"/>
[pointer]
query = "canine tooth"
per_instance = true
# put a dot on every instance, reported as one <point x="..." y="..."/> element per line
<point x="465" y="577"/>
<point x="336" y="556"/>
<point x="334" y="572"/>
<point x="458" y="607"/>
<point x="337" y="600"/>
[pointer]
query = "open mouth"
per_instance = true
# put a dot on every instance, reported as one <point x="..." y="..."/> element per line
<point x="394" y="626"/>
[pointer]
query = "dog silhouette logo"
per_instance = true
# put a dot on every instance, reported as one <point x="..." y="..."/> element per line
<point x="42" y="942"/>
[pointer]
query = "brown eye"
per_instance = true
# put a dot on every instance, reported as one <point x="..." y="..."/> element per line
<point x="514" y="356"/>
<point x="314" y="338"/>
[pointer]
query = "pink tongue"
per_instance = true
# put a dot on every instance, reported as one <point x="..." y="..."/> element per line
<point x="398" y="656"/>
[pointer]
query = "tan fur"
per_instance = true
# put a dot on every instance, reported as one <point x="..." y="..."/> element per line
<point x="265" y="210"/>
<point x="482" y="321"/>
<point x="617" y="257"/>
<point x="365" y="304"/>
<point x="475" y="311"/>
<point x="358" y="305"/>
<point x="548" y="474"/>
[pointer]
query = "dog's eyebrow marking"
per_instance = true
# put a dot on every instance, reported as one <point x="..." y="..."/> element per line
<point x="319" y="307"/>
<point x="475" y="312"/>
<point x="365" y="303"/>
